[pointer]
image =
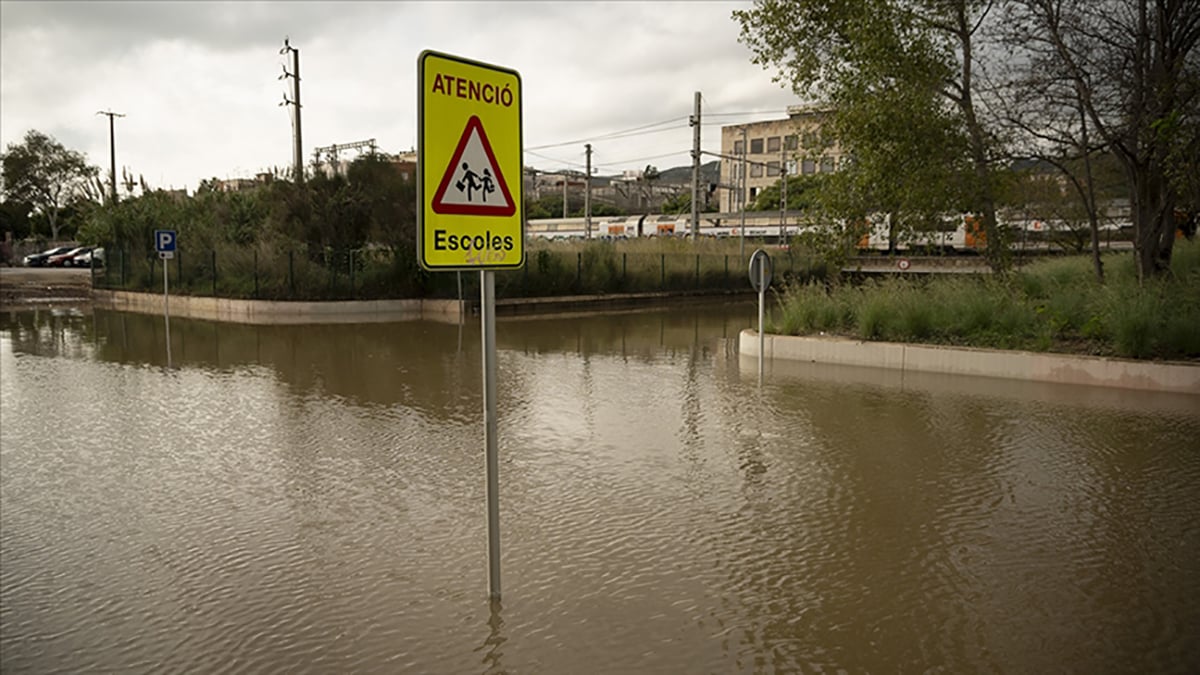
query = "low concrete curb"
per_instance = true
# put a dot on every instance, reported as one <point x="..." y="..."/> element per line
<point x="372" y="311"/>
<point x="269" y="312"/>
<point x="1037" y="367"/>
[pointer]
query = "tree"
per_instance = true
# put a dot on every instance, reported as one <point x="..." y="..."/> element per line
<point x="681" y="202"/>
<point x="391" y="201"/>
<point x="46" y="175"/>
<point x="902" y="78"/>
<point x="801" y="191"/>
<point x="14" y="217"/>
<point x="1132" y="67"/>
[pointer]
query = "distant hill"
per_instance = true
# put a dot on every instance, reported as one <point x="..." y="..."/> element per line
<point x="681" y="175"/>
<point x="709" y="173"/>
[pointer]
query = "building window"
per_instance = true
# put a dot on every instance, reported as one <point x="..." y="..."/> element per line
<point x="738" y="147"/>
<point x="808" y="167"/>
<point x="756" y="146"/>
<point x="810" y="139"/>
<point x="773" y="144"/>
<point x="753" y="193"/>
<point x="826" y="165"/>
<point x="791" y="167"/>
<point x="791" y="142"/>
<point x="772" y="168"/>
<point x="756" y="170"/>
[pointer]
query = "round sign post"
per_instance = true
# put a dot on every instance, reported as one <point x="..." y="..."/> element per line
<point x="760" y="280"/>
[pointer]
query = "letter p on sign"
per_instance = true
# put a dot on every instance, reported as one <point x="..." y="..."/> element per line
<point x="164" y="240"/>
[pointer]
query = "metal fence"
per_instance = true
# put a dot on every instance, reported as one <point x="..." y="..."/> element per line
<point x="366" y="274"/>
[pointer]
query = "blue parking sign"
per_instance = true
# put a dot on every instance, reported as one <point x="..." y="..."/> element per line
<point x="164" y="241"/>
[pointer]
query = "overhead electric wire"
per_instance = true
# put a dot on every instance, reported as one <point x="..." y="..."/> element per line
<point x="613" y="164"/>
<point x="624" y="133"/>
<point x="748" y="112"/>
<point x="553" y="159"/>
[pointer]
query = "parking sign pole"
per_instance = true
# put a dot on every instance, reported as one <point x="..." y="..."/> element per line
<point x="487" y="316"/>
<point x="167" y="310"/>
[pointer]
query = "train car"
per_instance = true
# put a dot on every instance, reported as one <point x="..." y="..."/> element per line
<point x="958" y="234"/>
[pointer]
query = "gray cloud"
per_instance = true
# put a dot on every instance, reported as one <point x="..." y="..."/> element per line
<point x="198" y="80"/>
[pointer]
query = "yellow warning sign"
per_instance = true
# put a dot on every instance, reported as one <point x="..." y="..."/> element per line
<point x="470" y="172"/>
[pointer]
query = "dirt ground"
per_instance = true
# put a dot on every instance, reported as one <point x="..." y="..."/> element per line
<point x="30" y="286"/>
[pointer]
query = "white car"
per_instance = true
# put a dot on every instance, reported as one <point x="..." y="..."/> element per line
<point x="87" y="258"/>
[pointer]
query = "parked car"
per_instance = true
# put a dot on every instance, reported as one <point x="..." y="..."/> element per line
<point x="89" y="258"/>
<point x="63" y="259"/>
<point x="39" y="259"/>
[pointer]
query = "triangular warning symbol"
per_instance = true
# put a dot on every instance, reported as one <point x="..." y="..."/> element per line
<point x="473" y="184"/>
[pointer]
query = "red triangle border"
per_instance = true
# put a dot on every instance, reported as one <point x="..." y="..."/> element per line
<point x="473" y="209"/>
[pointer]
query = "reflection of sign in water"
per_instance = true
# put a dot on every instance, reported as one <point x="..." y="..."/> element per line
<point x="473" y="183"/>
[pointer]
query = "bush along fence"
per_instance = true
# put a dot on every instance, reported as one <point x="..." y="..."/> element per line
<point x="375" y="274"/>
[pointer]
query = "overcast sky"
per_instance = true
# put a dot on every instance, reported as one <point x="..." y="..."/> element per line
<point x="198" y="81"/>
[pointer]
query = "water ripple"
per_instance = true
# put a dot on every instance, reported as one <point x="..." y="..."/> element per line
<point x="660" y="513"/>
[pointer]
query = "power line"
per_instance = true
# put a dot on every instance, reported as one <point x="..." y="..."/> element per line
<point x="748" y="112"/>
<point x="624" y="133"/>
<point x="553" y="159"/>
<point x="613" y="164"/>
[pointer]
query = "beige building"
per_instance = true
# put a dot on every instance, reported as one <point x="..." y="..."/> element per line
<point x="795" y="145"/>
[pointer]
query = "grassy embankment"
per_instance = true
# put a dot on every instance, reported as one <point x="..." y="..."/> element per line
<point x="1050" y="306"/>
<point x="551" y="268"/>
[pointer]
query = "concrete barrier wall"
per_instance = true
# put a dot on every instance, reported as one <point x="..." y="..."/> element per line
<point x="272" y="312"/>
<point x="1038" y="367"/>
<point x="362" y="311"/>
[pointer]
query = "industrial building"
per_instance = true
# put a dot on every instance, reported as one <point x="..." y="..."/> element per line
<point x="765" y="150"/>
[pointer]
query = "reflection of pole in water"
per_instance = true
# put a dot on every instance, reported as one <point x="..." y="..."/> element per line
<point x="495" y="639"/>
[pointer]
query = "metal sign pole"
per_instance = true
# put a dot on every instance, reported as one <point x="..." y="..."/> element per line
<point x="487" y="314"/>
<point x="760" y="279"/>
<point x="762" y="293"/>
<point x="167" y="310"/>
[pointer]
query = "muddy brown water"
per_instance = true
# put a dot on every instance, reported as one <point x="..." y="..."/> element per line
<point x="310" y="499"/>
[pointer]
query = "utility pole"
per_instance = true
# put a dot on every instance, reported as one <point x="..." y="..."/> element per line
<point x="298" y="148"/>
<point x="587" y="196"/>
<point x="783" y="191"/>
<point x="564" y="179"/>
<point x="112" y="152"/>
<point x="742" y="197"/>
<point x="695" y="121"/>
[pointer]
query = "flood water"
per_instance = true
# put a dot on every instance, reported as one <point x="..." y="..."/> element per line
<point x="311" y="499"/>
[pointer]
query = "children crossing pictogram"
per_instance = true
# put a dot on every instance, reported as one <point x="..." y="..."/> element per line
<point x="473" y="183"/>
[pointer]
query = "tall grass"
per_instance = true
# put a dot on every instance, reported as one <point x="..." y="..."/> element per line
<point x="1051" y="305"/>
<point x="551" y="269"/>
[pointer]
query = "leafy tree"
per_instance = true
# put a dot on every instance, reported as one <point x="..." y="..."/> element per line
<point x="551" y="206"/>
<point x="42" y="173"/>
<point x="599" y="209"/>
<point x="1131" y="66"/>
<point x="390" y="201"/>
<point x="801" y="193"/>
<point x="14" y="217"/>
<point x="901" y="76"/>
